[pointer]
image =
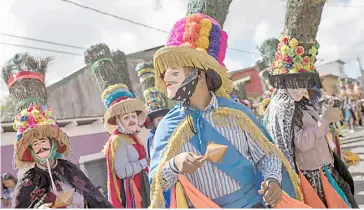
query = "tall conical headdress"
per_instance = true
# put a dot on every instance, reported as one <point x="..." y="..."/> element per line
<point x="111" y="73"/>
<point x="293" y="66"/>
<point x="155" y="101"/>
<point x="109" y="68"/>
<point x="25" y="78"/>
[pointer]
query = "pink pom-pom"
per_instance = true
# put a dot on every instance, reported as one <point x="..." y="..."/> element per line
<point x="30" y="108"/>
<point x="222" y="48"/>
<point x="176" y="35"/>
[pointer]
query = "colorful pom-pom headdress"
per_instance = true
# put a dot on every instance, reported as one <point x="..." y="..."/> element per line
<point x="25" y="77"/>
<point x="155" y="101"/>
<point x="116" y="96"/>
<point x="196" y="41"/>
<point x="294" y="63"/>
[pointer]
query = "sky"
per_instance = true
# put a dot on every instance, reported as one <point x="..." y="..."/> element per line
<point x="249" y="23"/>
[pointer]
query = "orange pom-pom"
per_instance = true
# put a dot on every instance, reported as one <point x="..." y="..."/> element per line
<point x="195" y="28"/>
<point x="194" y="18"/>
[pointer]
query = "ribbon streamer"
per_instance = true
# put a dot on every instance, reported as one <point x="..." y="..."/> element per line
<point x="24" y="75"/>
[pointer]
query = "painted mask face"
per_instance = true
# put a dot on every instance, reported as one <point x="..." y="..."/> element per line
<point x="297" y="94"/>
<point x="173" y="79"/>
<point x="130" y="122"/>
<point x="41" y="148"/>
<point x="156" y="121"/>
<point x="9" y="183"/>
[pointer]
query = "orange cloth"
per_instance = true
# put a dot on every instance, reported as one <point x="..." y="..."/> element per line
<point x="137" y="197"/>
<point x="333" y="199"/>
<point x="288" y="202"/>
<point x="310" y="196"/>
<point x="198" y="200"/>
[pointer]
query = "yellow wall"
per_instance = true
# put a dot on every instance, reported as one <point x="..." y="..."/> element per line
<point x="331" y="84"/>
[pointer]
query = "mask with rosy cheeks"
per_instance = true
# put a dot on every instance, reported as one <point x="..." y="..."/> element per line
<point x="297" y="94"/>
<point x="130" y="122"/>
<point x="41" y="148"/>
<point x="173" y="79"/>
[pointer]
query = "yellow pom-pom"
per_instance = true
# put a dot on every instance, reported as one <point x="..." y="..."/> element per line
<point x="206" y="23"/>
<point x="23" y="124"/>
<point x="35" y="112"/>
<point x="203" y="42"/>
<point x="204" y="32"/>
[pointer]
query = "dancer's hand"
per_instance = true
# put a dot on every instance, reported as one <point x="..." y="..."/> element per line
<point x="272" y="193"/>
<point x="188" y="162"/>
<point x="332" y="114"/>
<point x="45" y="206"/>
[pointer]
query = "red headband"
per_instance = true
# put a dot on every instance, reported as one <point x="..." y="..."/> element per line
<point x="118" y="100"/>
<point x="24" y="75"/>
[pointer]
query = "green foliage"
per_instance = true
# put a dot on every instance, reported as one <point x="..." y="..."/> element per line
<point x="8" y="109"/>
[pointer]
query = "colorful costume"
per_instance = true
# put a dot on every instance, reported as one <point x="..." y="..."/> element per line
<point x="295" y="125"/>
<point x="127" y="164"/>
<point x="198" y="42"/>
<point x="36" y="127"/>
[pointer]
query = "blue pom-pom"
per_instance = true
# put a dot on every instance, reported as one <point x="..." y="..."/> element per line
<point x="23" y="118"/>
<point x="18" y="136"/>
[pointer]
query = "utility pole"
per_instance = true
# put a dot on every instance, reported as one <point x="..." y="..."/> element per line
<point x="361" y="80"/>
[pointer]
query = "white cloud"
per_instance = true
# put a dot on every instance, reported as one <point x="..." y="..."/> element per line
<point x="233" y="65"/>
<point x="261" y="32"/>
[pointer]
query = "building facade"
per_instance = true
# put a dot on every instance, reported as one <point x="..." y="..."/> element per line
<point x="76" y="101"/>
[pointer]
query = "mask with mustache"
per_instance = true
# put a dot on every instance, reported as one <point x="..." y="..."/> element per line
<point x="188" y="86"/>
<point x="124" y="130"/>
<point x="38" y="157"/>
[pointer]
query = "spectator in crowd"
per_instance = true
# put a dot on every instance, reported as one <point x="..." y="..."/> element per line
<point x="8" y="182"/>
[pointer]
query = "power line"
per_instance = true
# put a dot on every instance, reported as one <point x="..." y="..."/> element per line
<point x="114" y="16"/>
<point x="244" y="51"/>
<point x="136" y="23"/>
<point x="39" y="40"/>
<point x="37" y="48"/>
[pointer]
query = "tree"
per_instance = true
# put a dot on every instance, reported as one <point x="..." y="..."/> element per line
<point x="8" y="109"/>
<point x="268" y="50"/>
<point x="302" y="21"/>
<point x="217" y="9"/>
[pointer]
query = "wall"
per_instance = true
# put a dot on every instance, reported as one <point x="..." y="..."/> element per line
<point x="334" y="68"/>
<point x="331" y="84"/>
<point x="86" y="140"/>
<point x="254" y="87"/>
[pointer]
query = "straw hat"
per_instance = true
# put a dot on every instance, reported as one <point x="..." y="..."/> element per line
<point x="118" y="100"/>
<point x="196" y="41"/>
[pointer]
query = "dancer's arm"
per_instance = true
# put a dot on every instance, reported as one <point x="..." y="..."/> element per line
<point x="306" y="137"/>
<point x="269" y="165"/>
<point x="123" y="167"/>
<point x="170" y="175"/>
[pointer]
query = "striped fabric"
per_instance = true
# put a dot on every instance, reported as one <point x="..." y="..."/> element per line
<point x="210" y="180"/>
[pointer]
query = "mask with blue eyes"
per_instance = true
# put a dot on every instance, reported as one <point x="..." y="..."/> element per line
<point x="188" y="86"/>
